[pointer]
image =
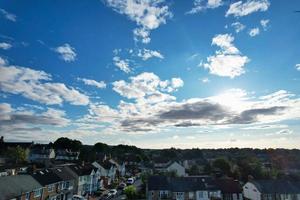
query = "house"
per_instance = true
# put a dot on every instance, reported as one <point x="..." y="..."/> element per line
<point x="22" y="187"/>
<point x="87" y="178"/>
<point x="174" y="166"/>
<point x="107" y="170"/>
<point x="41" y="155"/>
<point x="67" y="182"/>
<point x="66" y="155"/>
<point x="177" y="168"/>
<point x="12" y="170"/>
<point x="230" y="189"/>
<point x="182" y="188"/>
<point x="51" y="184"/>
<point x="121" y="168"/>
<point x="271" y="189"/>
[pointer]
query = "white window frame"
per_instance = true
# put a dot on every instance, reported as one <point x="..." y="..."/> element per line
<point x="35" y="194"/>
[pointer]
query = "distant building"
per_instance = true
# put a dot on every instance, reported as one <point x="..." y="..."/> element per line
<point x="41" y="155"/>
<point x="66" y="155"/>
<point x="272" y="189"/>
<point x="175" y="167"/>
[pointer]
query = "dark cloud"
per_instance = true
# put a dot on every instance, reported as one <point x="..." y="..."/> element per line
<point x="199" y="110"/>
<point x="250" y="116"/>
<point x="197" y="114"/>
<point x="31" y="119"/>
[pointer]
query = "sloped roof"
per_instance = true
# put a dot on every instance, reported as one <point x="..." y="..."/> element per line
<point x="277" y="186"/>
<point x="82" y="170"/>
<point x="46" y="177"/>
<point x="63" y="173"/>
<point x="228" y="185"/>
<point x="181" y="184"/>
<point x="13" y="186"/>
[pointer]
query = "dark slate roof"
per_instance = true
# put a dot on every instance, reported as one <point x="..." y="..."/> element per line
<point x="20" y="144"/>
<point x="46" y="177"/>
<point x="158" y="183"/>
<point x="181" y="184"/>
<point x="41" y="151"/>
<point x="82" y="170"/>
<point x="63" y="173"/>
<point x="277" y="186"/>
<point x="107" y="164"/>
<point x="229" y="186"/>
<point x="13" y="186"/>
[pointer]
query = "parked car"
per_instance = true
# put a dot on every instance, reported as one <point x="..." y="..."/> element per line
<point x="130" y="181"/>
<point x="122" y="186"/>
<point x="106" y="196"/>
<point x="78" y="197"/>
<point x="113" y="192"/>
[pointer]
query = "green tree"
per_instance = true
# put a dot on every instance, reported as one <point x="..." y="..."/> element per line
<point x="101" y="147"/>
<point x="66" y="143"/>
<point x="194" y="170"/>
<point x="18" y="154"/>
<point x="222" y="165"/>
<point x="130" y="192"/>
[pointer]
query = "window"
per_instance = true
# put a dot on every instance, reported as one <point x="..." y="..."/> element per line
<point x="179" y="195"/>
<point x="37" y="193"/>
<point x="51" y="188"/>
<point x="163" y="194"/>
<point x="191" y="195"/>
<point x="200" y="194"/>
<point x="27" y="196"/>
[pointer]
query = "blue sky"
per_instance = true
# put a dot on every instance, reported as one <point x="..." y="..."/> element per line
<point x="151" y="73"/>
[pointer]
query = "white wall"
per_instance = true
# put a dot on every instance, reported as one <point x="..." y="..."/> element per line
<point x="180" y="170"/>
<point x="251" y="192"/>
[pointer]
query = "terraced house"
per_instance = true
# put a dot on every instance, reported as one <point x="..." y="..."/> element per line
<point x="182" y="188"/>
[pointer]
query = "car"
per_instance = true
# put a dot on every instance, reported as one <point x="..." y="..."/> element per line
<point x="122" y="186"/>
<point x="106" y="196"/>
<point x="113" y="192"/>
<point x="130" y="181"/>
<point x="78" y="197"/>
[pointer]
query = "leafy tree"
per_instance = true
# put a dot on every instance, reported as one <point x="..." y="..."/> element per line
<point x="101" y="147"/>
<point x="130" y="192"/>
<point x="194" y="170"/>
<point x="66" y="143"/>
<point x="18" y="154"/>
<point x="222" y="165"/>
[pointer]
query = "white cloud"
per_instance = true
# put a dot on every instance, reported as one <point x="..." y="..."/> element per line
<point x="297" y="67"/>
<point x="238" y="26"/>
<point x="205" y="80"/>
<point x="37" y="86"/>
<point x="264" y="23"/>
<point x="201" y="5"/>
<point x="146" y="54"/>
<point x="2" y="62"/>
<point x="240" y="9"/>
<point x="254" y="32"/>
<point x="98" y="84"/>
<point x="8" y="16"/>
<point x="5" y="46"/>
<point x="228" y="61"/>
<point x="122" y="64"/>
<point x="16" y="118"/>
<point x="67" y="52"/>
<point x="146" y="85"/>
<point x="147" y="14"/>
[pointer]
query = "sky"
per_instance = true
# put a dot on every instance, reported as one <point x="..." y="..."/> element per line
<point x="151" y="73"/>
